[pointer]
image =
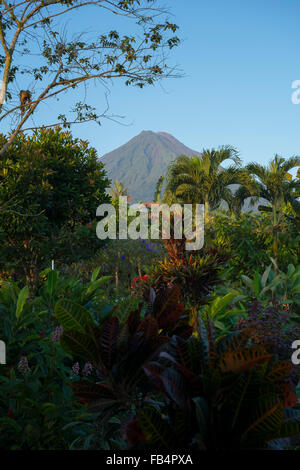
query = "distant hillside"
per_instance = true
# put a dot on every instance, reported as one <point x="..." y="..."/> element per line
<point x="140" y="162"/>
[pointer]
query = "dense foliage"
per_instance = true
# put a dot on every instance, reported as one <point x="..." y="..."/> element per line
<point x="50" y="185"/>
<point x="139" y="344"/>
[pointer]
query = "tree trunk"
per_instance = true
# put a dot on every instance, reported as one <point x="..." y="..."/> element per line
<point x="275" y="236"/>
<point x="117" y="276"/>
<point x="32" y="281"/>
<point x="206" y="211"/>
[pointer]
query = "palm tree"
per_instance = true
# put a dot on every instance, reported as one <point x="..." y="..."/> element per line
<point x="275" y="184"/>
<point x="202" y="179"/>
<point x="117" y="190"/>
<point x="295" y="195"/>
<point x="158" y="189"/>
<point x="235" y="200"/>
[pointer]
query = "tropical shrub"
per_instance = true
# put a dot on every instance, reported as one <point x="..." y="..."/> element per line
<point x="57" y="286"/>
<point x="285" y="287"/>
<point x="273" y="327"/>
<point x="36" y="400"/>
<point x="37" y="406"/>
<point x="196" y="272"/>
<point x="53" y="183"/>
<point x="121" y="259"/>
<point x="246" y="239"/>
<point x="117" y="353"/>
<point x="223" y="312"/>
<point x="217" y="396"/>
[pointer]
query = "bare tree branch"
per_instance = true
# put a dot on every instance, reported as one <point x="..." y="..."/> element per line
<point x="35" y="48"/>
<point x="29" y="112"/>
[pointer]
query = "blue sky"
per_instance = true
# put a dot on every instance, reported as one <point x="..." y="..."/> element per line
<point x="239" y="58"/>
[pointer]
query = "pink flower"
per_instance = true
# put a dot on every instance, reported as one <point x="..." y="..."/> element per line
<point x="57" y="333"/>
<point x="23" y="365"/>
<point x="76" y="368"/>
<point x="87" y="370"/>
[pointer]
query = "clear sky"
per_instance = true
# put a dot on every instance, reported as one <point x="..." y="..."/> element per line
<point x="240" y="58"/>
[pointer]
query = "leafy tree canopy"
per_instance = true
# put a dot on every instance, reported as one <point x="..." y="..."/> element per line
<point x="52" y="184"/>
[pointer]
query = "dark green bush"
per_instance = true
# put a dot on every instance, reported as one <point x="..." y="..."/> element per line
<point x="50" y="185"/>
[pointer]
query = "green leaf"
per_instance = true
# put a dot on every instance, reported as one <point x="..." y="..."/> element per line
<point x="72" y="316"/>
<point x="221" y="302"/>
<point x="247" y="281"/>
<point x="268" y="417"/>
<point x="291" y="270"/>
<point x="105" y="314"/>
<point x="275" y="264"/>
<point x="95" y="274"/>
<point x="81" y="345"/>
<point x="103" y="403"/>
<point x="45" y="272"/>
<point x="203" y="340"/>
<point x="21" y="300"/>
<point x="96" y="284"/>
<point x="256" y="284"/>
<point x="202" y="415"/>
<point x="289" y="429"/>
<point x="218" y="324"/>
<point x="52" y="282"/>
<point x="155" y="430"/>
<point x="265" y="276"/>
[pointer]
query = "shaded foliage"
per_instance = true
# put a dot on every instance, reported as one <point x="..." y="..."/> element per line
<point x="56" y="183"/>
<point x="218" y="395"/>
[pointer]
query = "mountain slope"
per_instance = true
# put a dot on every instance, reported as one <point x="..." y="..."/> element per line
<point x="141" y="161"/>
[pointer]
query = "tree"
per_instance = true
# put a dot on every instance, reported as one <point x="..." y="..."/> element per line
<point x="158" y="190"/>
<point x="117" y="190"/>
<point x="294" y="197"/>
<point x="33" y="48"/>
<point x="202" y="179"/>
<point x="275" y="184"/>
<point x="236" y="199"/>
<point x="56" y="183"/>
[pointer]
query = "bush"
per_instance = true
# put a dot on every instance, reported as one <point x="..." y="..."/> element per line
<point x="228" y="395"/>
<point x="121" y="259"/>
<point x="51" y="185"/>
<point x="246" y="239"/>
<point x="37" y="407"/>
<point x="196" y="272"/>
<point x="273" y="327"/>
<point x="36" y="401"/>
